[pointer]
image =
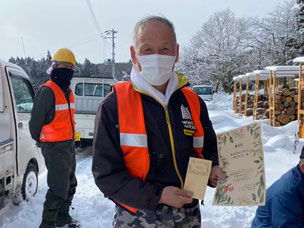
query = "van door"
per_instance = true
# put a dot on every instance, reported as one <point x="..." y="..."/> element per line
<point x="22" y="101"/>
<point x="7" y="156"/>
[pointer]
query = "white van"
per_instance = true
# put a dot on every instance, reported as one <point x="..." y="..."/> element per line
<point x="204" y="91"/>
<point x="89" y="92"/>
<point x="20" y="159"/>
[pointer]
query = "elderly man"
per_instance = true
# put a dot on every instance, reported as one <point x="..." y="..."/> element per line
<point x="284" y="201"/>
<point x="145" y="132"/>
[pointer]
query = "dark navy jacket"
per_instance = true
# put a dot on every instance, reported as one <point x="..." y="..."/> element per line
<point x="284" y="202"/>
<point x="108" y="167"/>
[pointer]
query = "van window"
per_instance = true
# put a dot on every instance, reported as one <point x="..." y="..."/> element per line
<point x="23" y="92"/>
<point x="92" y="89"/>
<point x="202" y="90"/>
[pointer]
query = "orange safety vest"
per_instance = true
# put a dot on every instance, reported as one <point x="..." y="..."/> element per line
<point x="61" y="127"/>
<point x="133" y="135"/>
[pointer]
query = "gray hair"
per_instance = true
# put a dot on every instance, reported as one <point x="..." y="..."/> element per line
<point x="141" y="24"/>
<point x="301" y="161"/>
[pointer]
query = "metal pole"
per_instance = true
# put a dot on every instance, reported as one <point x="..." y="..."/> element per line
<point x="23" y="47"/>
<point x="113" y="54"/>
<point x="113" y="49"/>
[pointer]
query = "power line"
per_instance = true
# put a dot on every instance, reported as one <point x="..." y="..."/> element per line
<point x="97" y="26"/>
<point x="76" y="44"/>
<point x="94" y="17"/>
<point x="80" y="43"/>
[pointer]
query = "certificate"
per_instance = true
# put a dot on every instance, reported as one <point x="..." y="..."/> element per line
<point x="197" y="177"/>
<point x="241" y="158"/>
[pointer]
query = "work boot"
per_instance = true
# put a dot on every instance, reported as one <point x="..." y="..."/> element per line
<point x="48" y="218"/>
<point x="64" y="219"/>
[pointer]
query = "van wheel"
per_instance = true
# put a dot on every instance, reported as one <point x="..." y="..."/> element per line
<point x="30" y="182"/>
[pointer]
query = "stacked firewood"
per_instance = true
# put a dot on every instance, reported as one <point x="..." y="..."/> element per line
<point x="286" y="105"/>
<point x="262" y="107"/>
<point x="249" y="104"/>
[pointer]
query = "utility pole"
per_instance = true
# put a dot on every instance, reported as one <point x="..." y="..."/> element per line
<point x="111" y="35"/>
<point x="23" y="47"/>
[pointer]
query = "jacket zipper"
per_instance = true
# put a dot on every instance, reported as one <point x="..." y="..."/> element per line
<point x="173" y="147"/>
<point x="171" y="139"/>
<point x="170" y="133"/>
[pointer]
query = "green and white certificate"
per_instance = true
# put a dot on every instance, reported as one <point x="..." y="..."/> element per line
<point x="241" y="158"/>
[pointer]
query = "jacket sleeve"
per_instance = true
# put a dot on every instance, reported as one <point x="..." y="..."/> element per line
<point x="43" y="111"/>
<point x="289" y="209"/>
<point x="109" y="171"/>
<point x="210" y="140"/>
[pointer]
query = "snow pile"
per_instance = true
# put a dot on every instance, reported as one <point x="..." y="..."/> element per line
<point x="94" y="211"/>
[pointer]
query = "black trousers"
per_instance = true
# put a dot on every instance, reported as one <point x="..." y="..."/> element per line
<point x="61" y="164"/>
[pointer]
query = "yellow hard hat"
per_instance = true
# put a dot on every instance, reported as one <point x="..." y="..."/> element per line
<point x="64" y="55"/>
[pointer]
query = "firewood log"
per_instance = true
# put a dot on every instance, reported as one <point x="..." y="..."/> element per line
<point x="291" y="111"/>
<point x="284" y="119"/>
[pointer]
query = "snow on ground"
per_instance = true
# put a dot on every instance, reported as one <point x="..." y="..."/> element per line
<point x="94" y="211"/>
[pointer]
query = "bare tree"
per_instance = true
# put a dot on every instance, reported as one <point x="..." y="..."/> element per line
<point x="276" y="33"/>
<point x="226" y="46"/>
<point x="217" y="51"/>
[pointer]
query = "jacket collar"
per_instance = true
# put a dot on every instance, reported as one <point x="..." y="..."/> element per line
<point x="140" y="85"/>
<point x="182" y="81"/>
<point x="176" y="82"/>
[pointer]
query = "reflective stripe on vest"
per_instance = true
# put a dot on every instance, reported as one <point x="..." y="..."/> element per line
<point x="137" y="140"/>
<point x="64" y="107"/>
<point x="61" y="127"/>
<point x="133" y="135"/>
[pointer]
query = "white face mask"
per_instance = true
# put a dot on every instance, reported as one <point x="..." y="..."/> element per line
<point x="156" y="69"/>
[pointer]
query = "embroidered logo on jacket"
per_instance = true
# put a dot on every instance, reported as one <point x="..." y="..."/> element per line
<point x="189" y="127"/>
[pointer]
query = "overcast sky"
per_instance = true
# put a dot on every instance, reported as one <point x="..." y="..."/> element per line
<point x="48" y="25"/>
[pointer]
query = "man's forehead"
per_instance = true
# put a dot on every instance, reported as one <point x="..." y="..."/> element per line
<point x="147" y="43"/>
<point x="154" y="26"/>
<point x="155" y="30"/>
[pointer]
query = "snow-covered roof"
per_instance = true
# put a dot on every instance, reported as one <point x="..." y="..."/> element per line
<point x="262" y="73"/>
<point x="285" y="71"/>
<point x="251" y="75"/>
<point x="236" y="78"/>
<point x="299" y="60"/>
<point x="283" y="68"/>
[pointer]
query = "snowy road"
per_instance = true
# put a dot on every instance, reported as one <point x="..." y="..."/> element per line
<point x="94" y="211"/>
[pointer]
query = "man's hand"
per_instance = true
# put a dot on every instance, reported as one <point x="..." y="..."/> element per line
<point x="216" y="174"/>
<point x="38" y="144"/>
<point x="175" y="197"/>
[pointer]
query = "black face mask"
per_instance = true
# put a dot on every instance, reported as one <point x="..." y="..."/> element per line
<point x="62" y="77"/>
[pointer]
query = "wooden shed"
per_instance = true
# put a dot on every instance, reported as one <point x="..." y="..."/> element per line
<point x="280" y="111"/>
<point x="261" y="75"/>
